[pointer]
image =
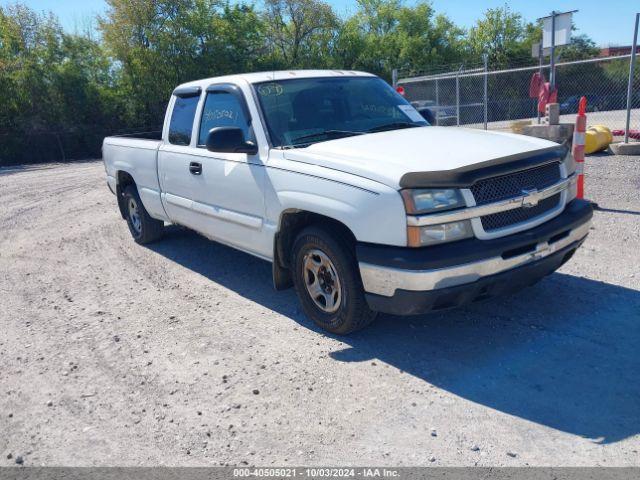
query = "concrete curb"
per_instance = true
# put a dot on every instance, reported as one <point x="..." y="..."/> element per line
<point x="556" y="133"/>
<point x="620" y="148"/>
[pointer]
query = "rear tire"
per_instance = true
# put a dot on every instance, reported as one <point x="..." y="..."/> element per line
<point x="327" y="280"/>
<point x="144" y="229"/>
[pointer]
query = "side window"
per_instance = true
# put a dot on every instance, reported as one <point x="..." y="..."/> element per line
<point x="182" y="116"/>
<point x="222" y="109"/>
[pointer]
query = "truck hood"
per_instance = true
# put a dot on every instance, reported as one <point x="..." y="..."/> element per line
<point x="386" y="157"/>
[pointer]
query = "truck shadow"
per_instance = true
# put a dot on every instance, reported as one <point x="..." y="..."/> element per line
<point x="564" y="353"/>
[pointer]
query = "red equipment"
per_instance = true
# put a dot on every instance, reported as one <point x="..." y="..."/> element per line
<point x="635" y="134"/>
<point x="541" y="89"/>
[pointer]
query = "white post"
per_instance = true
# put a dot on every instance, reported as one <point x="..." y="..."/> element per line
<point x="486" y="79"/>
<point x="458" y="96"/>
<point x="540" y="59"/>
<point x="632" y="66"/>
<point x="552" y="74"/>
<point x="437" y="109"/>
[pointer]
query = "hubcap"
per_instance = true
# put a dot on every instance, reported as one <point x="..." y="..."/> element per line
<point x="134" y="215"/>
<point x="322" y="281"/>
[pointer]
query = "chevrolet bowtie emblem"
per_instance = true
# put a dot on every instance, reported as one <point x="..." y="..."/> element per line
<point x="530" y="198"/>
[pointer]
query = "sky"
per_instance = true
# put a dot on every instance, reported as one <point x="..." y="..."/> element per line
<point x="607" y="23"/>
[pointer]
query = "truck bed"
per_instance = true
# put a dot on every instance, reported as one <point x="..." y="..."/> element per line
<point x="152" y="135"/>
<point x="138" y="156"/>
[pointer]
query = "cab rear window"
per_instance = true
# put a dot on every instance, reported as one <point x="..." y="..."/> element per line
<point x="182" y="116"/>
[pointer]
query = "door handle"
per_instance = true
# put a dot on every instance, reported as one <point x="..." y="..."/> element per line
<point x="195" y="168"/>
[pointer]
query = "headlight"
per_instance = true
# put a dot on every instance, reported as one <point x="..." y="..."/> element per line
<point x="441" y="233"/>
<point x="431" y="200"/>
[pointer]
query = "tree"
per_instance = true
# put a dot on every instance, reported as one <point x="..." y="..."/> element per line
<point x="580" y="47"/>
<point x="154" y="51"/>
<point x="503" y="35"/>
<point x="54" y="82"/>
<point x="387" y="34"/>
<point x="54" y="76"/>
<point x="162" y="43"/>
<point x="300" y="31"/>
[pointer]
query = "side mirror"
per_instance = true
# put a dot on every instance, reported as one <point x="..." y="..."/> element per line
<point x="229" y="140"/>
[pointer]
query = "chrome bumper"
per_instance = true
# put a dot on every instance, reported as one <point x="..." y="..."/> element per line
<point x="385" y="281"/>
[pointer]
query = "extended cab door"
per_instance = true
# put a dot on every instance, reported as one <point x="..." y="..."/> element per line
<point x="228" y="194"/>
<point x="174" y="157"/>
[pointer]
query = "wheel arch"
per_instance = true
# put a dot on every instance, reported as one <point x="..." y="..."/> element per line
<point x="123" y="180"/>
<point x="291" y="223"/>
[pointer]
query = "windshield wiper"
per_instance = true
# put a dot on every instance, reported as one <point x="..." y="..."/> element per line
<point x="392" y="126"/>
<point x="335" y="134"/>
<point x="330" y="134"/>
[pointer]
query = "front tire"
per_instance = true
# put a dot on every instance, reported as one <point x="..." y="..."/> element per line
<point x="144" y="229"/>
<point x="327" y="281"/>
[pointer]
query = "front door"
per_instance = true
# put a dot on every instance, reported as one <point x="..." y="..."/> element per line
<point x="228" y="196"/>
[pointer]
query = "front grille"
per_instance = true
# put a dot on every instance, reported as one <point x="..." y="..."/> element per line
<point x="512" y="185"/>
<point x="519" y="215"/>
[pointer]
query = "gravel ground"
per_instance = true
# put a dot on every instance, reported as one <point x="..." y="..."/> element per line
<point x="182" y="353"/>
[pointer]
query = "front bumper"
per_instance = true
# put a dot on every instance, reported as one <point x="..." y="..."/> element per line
<point x="408" y="281"/>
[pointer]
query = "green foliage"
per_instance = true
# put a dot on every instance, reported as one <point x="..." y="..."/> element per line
<point x="580" y="48"/>
<point x="300" y="33"/>
<point x="54" y="81"/>
<point x="51" y="81"/>
<point x="503" y="35"/>
<point x="158" y="45"/>
<point x="386" y="34"/>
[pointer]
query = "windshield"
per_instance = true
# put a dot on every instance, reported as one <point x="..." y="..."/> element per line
<point x="300" y="112"/>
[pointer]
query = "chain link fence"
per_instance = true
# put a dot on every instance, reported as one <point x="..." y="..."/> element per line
<point x="473" y="96"/>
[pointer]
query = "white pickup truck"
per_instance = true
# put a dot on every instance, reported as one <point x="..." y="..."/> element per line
<point x="352" y="196"/>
